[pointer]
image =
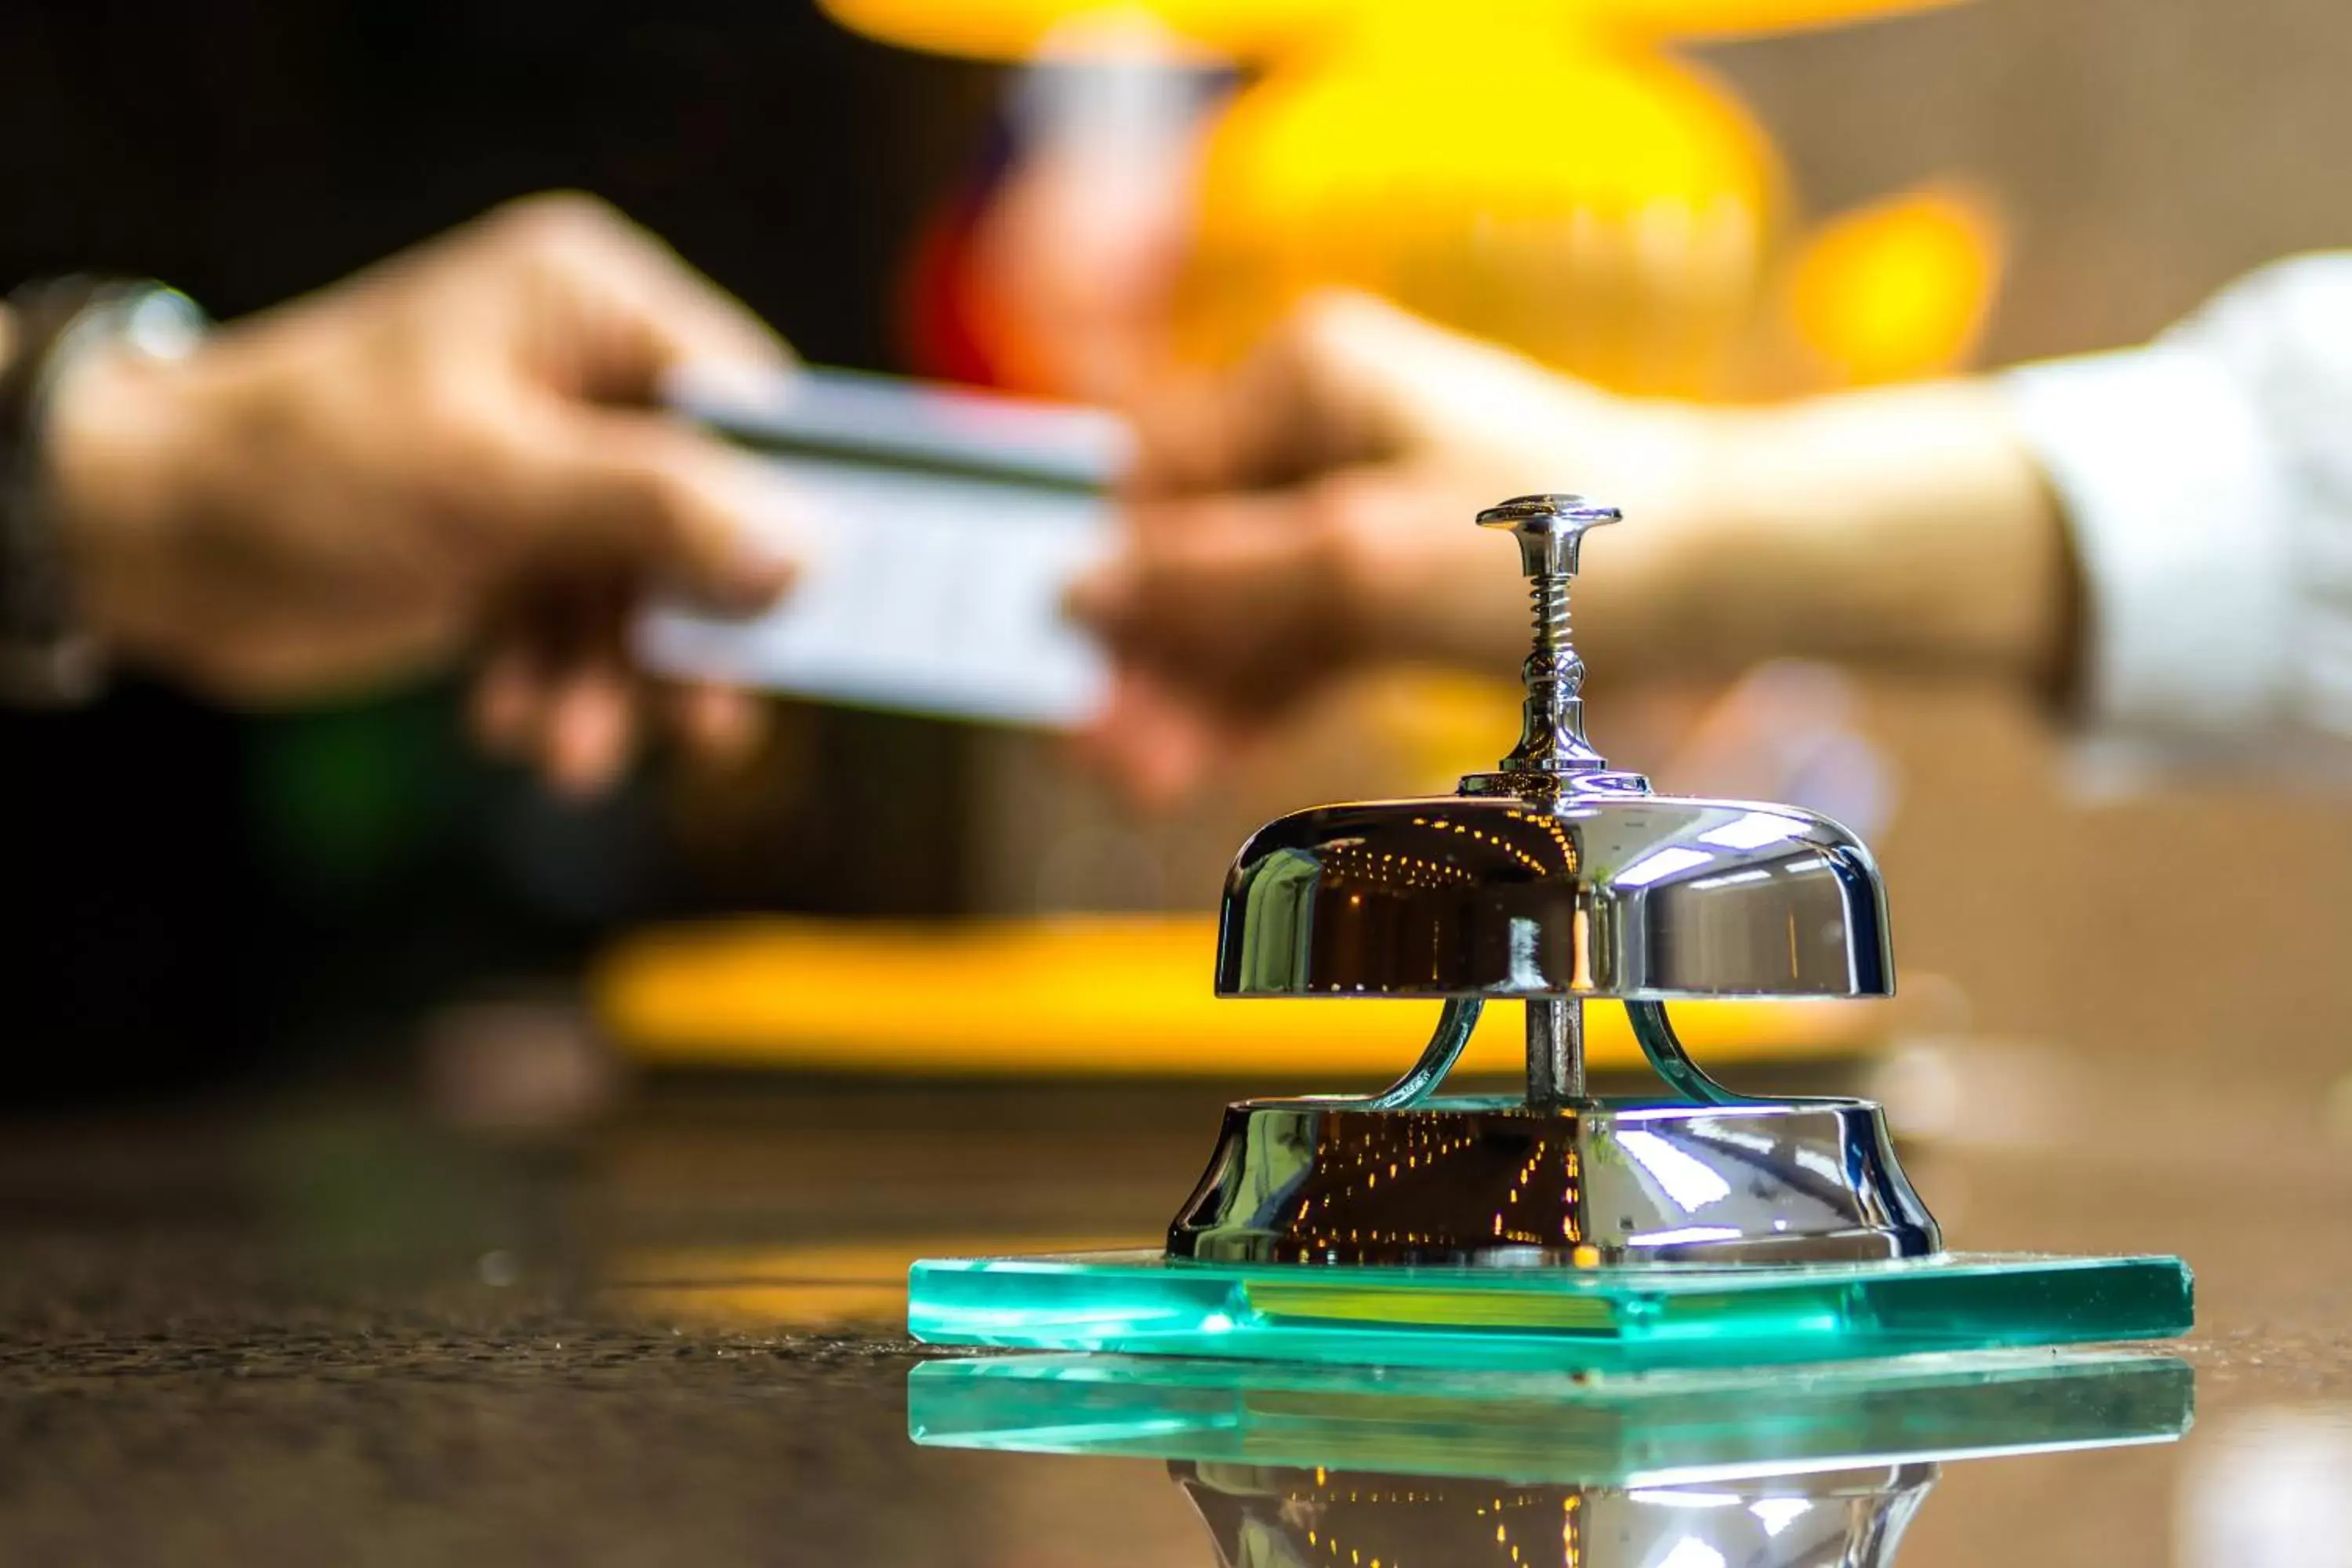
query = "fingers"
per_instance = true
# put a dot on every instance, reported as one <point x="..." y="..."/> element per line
<point x="556" y="691"/>
<point x="541" y="330"/>
<point x="1199" y="576"/>
<point x="589" y="733"/>
<point x="579" y="724"/>
<point x="1343" y="380"/>
<point x="621" y="308"/>
<point x="661" y="499"/>
<point x="721" y="724"/>
<point x="603" y="491"/>
<point x="1225" y="612"/>
<point x="1257" y="591"/>
<point x="506" y="701"/>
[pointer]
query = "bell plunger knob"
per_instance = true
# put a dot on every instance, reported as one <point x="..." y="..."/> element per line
<point x="1549" y="529"/>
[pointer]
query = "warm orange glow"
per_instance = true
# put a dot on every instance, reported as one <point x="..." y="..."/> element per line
<point x="1737" y="18"/>
<point x="1020" y="29"/>
<point x="1898" y="289"/>
<point x="1080" y="996"/>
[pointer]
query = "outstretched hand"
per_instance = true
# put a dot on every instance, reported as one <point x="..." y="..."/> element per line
<point x="452" y="451"/>
<point x="1310" y="514"/>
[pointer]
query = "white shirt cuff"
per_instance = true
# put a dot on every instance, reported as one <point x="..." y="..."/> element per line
<point x="2173" y="499"/>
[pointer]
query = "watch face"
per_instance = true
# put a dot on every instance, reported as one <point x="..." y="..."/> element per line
<point x="162" y="322"/>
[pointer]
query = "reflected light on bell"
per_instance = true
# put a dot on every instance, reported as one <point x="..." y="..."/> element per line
<point x="1776" y="1513"/>
<point x="1690" y="1552"/>
<point x="1689" y="1182"/>
<point x="1678" y="1498"/>
<point x="1733" y="878"/>
<point x="1753" y="830"/>
<point x="1683" y="1235"/>
<point x="1818" y="1162"/>
<point x="1664" y="863"/>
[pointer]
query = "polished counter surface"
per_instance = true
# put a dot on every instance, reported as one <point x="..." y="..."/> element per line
<point x="337" y="1330"/>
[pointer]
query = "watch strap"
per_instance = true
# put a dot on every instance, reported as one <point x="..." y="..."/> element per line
<point x="48" y="657"/>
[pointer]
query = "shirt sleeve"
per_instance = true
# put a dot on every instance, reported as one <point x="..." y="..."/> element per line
<point x="2207" y="482"/>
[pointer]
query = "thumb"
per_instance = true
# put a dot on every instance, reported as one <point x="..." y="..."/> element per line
<point x="673" y="502"/>
<point x="1194" y="571"/>
<point x="1235" y="603"/>
<point x="1346" y="379"/>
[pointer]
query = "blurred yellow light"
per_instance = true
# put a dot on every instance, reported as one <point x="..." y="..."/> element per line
<point x="1077" y="996"/>
<point x="1609" y="212"/>
<point x="1898" y="290"/>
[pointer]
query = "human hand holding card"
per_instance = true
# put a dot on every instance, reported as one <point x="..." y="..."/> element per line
<point x="944" y="528"/>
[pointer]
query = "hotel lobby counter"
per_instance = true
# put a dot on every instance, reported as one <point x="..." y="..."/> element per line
<point x="284" y="1334"/>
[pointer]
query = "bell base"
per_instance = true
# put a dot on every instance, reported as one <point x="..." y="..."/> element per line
<point x="1590" y="1183"/>
<point x="1605" y="1320"/>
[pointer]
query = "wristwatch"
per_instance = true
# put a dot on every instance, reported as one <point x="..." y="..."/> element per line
<point x="48" y="657"/>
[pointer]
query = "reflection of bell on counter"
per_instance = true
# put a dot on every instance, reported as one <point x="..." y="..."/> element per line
<point x="1708" y="1226"/>
<point x="1267" y="1517"/>
<point x="1295" y="1467"/>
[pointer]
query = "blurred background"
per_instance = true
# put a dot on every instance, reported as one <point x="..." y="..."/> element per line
<point x="1717" y="199"/>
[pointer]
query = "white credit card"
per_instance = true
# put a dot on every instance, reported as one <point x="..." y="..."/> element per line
<point x="940" y="530"/>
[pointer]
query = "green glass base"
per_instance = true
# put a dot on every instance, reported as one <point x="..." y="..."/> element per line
<point x="1654" y="1429"/>
<point x="1625" y="1318"/>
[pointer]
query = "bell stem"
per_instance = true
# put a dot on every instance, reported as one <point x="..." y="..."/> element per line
<point x="1555" y="1050"/>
